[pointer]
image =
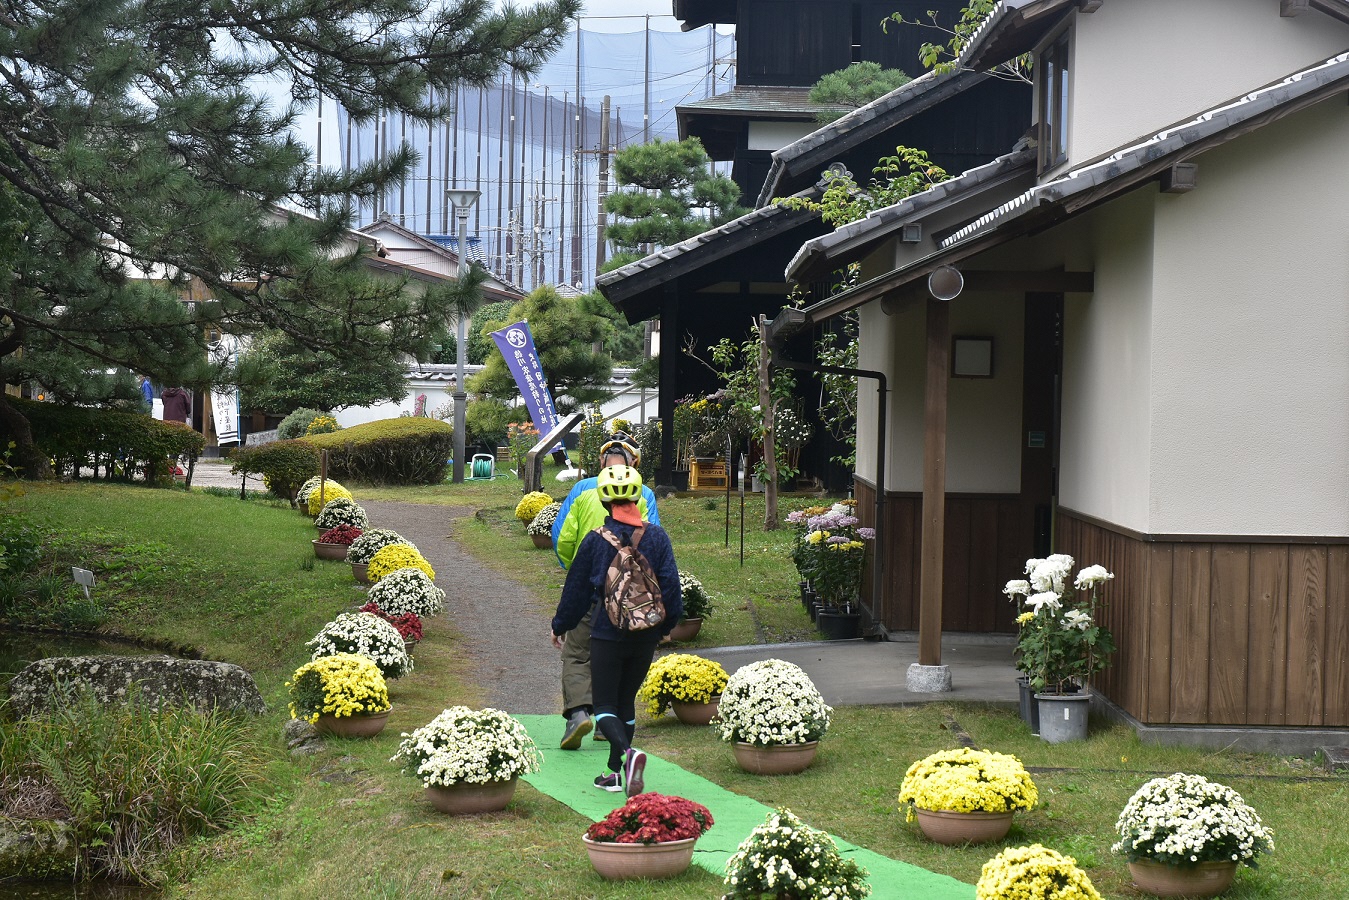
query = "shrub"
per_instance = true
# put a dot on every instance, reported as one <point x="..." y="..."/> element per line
<point x="367" y="635"/>
<point x="340" y="534"/>
<point x="394" y="557"/>
<point x="283" y="465"/>
<point x="407" y="591"/>
<point x="296" y="425"/>
<point x="697" y="601"/>
<point x="322" y="425"/>
<point x="410" y="450"/>
<point x="20" y="546"/>
<point x="121" y="443"/>
<point x="683" y="677"/>
<point x="531" y="505"/>
<point x="364" y="548"/>
<point x="342" y="511"/>
<point x="1184" y="819"/>
<point x="321" y="496"/>
<point x="409" y="624"/>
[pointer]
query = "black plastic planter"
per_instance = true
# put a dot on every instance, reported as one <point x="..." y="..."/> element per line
<point x="839" y="626"/>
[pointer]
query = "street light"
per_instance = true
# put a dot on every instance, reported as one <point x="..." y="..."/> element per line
<point x="463" y="201"/>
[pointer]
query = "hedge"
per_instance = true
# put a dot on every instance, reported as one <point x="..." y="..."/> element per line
<point x="122" y="444"/>
<point x="407" y="450"/>
<point x="284" y="465"/>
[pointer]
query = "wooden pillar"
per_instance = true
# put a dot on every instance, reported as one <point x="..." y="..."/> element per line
<point x="934" y="482"/>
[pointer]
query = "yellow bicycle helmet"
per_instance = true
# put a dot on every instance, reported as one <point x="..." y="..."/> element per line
<point x="619" y="483"/>
<point x="622" y="442"/>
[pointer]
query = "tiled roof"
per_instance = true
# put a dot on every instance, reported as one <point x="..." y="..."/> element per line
<point x="760" y="102"/>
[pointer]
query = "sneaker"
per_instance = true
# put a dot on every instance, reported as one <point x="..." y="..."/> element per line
<point x="612" y="782"/>
<point x="578" y="726"/>
<point x="634" y="764"/>
<point x="599" y="737"/>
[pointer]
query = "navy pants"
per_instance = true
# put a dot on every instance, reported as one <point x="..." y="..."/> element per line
<point x="617" y="670"/>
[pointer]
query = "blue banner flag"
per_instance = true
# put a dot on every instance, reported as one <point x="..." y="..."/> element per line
<point x="517" y="346"/>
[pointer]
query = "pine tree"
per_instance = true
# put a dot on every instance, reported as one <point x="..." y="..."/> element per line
<point x="672" y="194"/>
<point x="140" y="162"/>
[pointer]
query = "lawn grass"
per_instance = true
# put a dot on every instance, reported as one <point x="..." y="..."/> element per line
<point x="236" y="580"/>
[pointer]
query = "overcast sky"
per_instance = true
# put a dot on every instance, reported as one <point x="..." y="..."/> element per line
<point x="629" y="15"/>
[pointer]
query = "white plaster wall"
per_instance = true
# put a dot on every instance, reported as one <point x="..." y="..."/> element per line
<point x="983" y="415"/>
<point x="1105" y="431"/>
<point x="1251" y="334"/>
<point x="874" y="351"/>
<point x="1140" y="65"/>
<point x="776" y="135"/>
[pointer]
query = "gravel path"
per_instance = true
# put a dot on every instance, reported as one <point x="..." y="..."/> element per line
<point x="507" y="636"/>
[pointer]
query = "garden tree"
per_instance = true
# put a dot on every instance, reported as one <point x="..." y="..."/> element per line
<point x="565" y="335"/>
<point x="489" y="317"/>
<point x="672" y="195"/>
<point x="853" y="87"/>
<point x="138" y="156"/>
<point x="278" y="373"/>
<point x="942" y="57"/>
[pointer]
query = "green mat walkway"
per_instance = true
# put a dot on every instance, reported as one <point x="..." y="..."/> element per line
<point x="567" y="777"/>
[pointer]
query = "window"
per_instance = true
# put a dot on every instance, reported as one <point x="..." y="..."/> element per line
<point x="1053" y="134"/>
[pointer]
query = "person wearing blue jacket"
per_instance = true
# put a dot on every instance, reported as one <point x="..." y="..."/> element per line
<point x="582" y="513"/>
<point x="619" y="660"/>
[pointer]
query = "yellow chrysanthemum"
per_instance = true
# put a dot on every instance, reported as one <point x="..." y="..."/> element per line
<point x="344" y="684"/>
<point x="530" y="505"/>
<point x="331" y="491"/>
<point x="683" y="677"/>
<point x="394" y="557"/>
<point x="967" y="780"/>
<point x="1033" y="873"/>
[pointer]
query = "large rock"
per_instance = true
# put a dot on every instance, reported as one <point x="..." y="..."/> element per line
<point x="161" y="679"/>
<point x="37" y="849"/>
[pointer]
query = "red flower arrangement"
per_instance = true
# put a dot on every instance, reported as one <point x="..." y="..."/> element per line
<point x="409" y="625"/>
<point x="652" y="819"/>
<point x="342" y="534"/>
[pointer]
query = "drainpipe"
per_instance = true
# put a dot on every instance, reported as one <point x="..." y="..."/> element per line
<point x="878" y="624"/>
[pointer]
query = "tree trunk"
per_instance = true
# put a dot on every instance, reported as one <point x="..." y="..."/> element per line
<point x="27" y="456"/>
<point x="770" y="454"/>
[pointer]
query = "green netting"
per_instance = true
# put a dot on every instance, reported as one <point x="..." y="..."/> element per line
<point x="568" y="776"/>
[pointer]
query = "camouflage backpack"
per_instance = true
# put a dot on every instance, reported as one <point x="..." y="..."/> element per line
<point x="631" y="591"/>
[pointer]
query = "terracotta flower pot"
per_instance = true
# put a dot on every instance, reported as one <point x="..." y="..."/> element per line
<point x="359" y="572"/>
<point x="330" y="551"/>
<point x="465" y="799"/>
<point x="626" y="861"/>
<point x="947" y="827"/>
<point x="1205" y="879"/>
<point x="778" y="759"/>
<point x="360" y="725"/>
<point x="686" y="630"/>
<point x="542" y="541"/>
<point x="695" y="713"/>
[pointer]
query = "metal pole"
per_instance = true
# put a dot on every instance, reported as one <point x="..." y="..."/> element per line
<point x="460" y="354"/>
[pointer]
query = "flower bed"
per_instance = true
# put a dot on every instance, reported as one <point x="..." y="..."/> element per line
<point x="772" y="702"/>
<point x="390" y="559"/>
<point x="681" y="677"/>
<point x="365" y="634"/>
<point x="967" y="780"/>
<point x="371" y="541"/>
<point x="345" y="684"/>
<point x="407" y="591"/>
<point x="652" y="819"/>
<point x="463" y="745"/>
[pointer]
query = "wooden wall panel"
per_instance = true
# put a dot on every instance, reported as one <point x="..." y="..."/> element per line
<point x="1157" y="706"/>
<point x="1267" y="640"/>
<point x="1306" y="635"/>
<point x="1190" y="633"/>
<point x="1337" y="637"/>
<point x="1229" y="610"/>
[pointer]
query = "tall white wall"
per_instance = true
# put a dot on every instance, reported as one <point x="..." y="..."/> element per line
<point x="1138" y="66"/>
<point x="1250" y="365"/>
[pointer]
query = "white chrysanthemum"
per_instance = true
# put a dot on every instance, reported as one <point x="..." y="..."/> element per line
<point x="407" y="590"/>
<point x="476" y="746"/>
<point x="366" y="635"/>
<point x="1092" y="576"/>
<point x="772" y="702"/>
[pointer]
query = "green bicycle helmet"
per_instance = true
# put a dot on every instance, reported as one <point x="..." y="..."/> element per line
<point x="619" y="483"/>
<point x="622" y="442"/>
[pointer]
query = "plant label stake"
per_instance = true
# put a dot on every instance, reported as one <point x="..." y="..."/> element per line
<point x="84" y="578"/>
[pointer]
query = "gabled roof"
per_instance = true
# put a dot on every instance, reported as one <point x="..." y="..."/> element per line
<point x="1094" y="183"/>
<point x="816" y="150"/>
<point x="496" y="287"/>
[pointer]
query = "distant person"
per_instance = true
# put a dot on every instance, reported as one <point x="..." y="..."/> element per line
<point x="619" y="659"/>
<point x="147" y="396"/>
<point x="177" y="405"/>
<point x="582" y="513"/>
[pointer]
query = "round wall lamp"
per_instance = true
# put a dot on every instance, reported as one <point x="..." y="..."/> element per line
<point x="945" y="283"/>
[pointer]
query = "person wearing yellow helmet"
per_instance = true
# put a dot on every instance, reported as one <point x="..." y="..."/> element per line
<point x="581" y="513"/>
<point x="619" y="658"/>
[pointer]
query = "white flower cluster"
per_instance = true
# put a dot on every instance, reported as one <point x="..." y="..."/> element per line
<point x="772" y="702"/>
<point x="367" y="635"/>
<point x="342" y="512"/>
<point x="543" y="522"/>
<point x="1189" y="819"/>
<point x="302" y="495"/>
<point x="407" y="591"/>
<point x="477" y="746"/>
<point x="371" y="541"/>
<point x="787" y="858"/>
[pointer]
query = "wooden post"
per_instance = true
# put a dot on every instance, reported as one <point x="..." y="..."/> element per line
<point x="770" y="452"/>
<point x="323" y="478"/>
<point x="934" y="482"/>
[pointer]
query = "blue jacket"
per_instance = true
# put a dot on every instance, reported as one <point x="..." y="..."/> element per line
<point x="582" y="513"/>
<point x="584" y="587"/>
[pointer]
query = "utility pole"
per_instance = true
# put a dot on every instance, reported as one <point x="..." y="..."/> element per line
<point x="603" y="219"/>
<point x="463" y="200"/>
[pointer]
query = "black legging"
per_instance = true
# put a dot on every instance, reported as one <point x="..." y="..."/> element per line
<point x="617" y="670"/>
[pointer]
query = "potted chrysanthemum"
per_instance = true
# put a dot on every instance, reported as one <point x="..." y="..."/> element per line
<point x="343" y="694"/>
<point x="469" y="759"/>
<point x="1185" y="836"/>
<point x="784" y="857"/>
<point x="341" y="511"/>
<point x="650" y="836"/>
<point x="364" y="548"/>
<point x="540" y="528"/>
<point x="368" y="635"/>
<point x="965" y="795"/>
<point x="689" y="684"/>
<point x="407" y="590"/>
<point x="531" y="505"/>
<point x="409" y="624"/>
<point x="336" y="542"/>
<point x="697" y="606"/>
<point x="320" y="495"/>
<point x="394" y="557"/>
<point x="773" y="716"/>
<point x="1033" y="873"/>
